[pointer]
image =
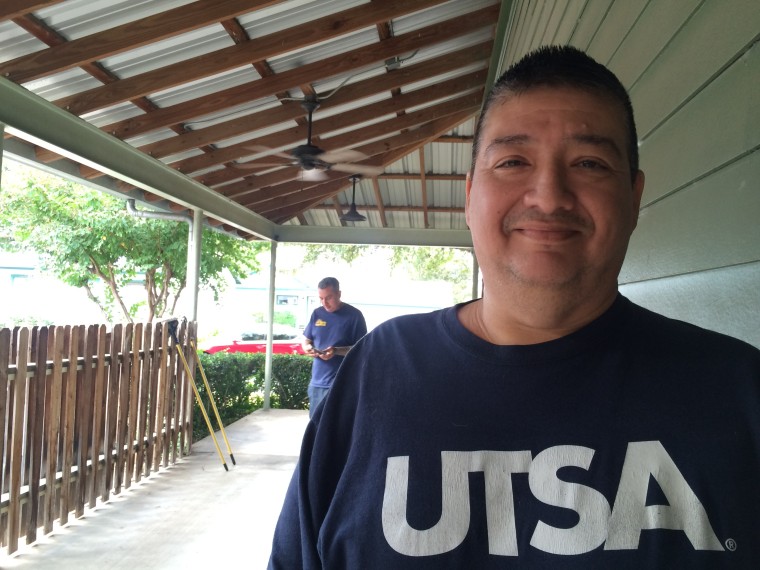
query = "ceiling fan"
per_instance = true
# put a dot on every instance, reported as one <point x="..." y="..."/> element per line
<point x="315" y="162"/>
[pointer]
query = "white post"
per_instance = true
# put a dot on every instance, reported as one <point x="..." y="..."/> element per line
<point x="195" y="233"/>
<point x="475" y="276"/>
<point x="268" y="362"/>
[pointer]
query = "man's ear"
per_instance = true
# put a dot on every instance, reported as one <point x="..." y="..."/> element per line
<point x="467" y="190"/>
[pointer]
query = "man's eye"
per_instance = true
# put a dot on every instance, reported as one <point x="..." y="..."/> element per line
<point x="592" y="164"/>
<point x="510" y="163"/>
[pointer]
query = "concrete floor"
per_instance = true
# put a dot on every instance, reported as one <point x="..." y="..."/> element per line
<point x="192" y="515"/>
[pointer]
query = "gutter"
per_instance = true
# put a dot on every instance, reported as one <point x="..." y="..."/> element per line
<point x="194" y="233"/>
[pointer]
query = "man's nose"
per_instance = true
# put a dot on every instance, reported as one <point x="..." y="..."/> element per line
<point x="550" y="190"/>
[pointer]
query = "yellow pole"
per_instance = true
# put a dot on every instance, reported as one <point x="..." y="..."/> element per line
<point x="213" y="405"/>
<point x="197" y="394"/>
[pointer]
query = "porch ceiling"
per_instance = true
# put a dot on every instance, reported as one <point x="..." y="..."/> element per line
<point x="171" y="101"/>
<point x="174" y="103"/>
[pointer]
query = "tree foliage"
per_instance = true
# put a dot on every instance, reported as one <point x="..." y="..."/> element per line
<point x="348" y="253"/>
<point x="87" y="239"/>
<point x="422" y="263"/>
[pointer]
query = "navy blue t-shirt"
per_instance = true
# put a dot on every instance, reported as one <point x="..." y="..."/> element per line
<point x="343" y="327"/>
<point x="631" y="443"/>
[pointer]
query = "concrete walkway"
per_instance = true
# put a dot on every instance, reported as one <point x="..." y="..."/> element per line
<point x="192" y="515"/>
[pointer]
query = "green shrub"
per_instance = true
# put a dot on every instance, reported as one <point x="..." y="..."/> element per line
<point x="237" y="383"/>
<point x="290" y="380"/>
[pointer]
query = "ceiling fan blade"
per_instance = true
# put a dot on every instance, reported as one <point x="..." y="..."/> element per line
<point x="254" y="165"/>
<point x="363" y="169"/>
<point x="262" y="148"/>
<point x="346" y="155"/>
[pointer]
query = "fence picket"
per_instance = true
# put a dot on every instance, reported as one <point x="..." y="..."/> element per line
<point x="112" y="409"/>
<point x="129" y="428"/>
<point x="122" y="408"/>
<point x="184" y="387"/>
<point x="53" y="416"/>
<point x="144" y="390"/>
<point x="5" y="348"/>
<point x="171" y="377"/>
<point x="161" y="399"/>
<point x="36" y="422"/>
<point x="17" y="443"/>
<point x="95" y="488"/>
<point x="84" y="412"/>
<point x="67" y="424"/>
<point x="154" y="391"/>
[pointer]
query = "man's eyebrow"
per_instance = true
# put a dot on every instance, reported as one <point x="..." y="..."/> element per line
<point x="597" y="140"/>
<point x="507" y="140"/>
<point x="590" y="139"/>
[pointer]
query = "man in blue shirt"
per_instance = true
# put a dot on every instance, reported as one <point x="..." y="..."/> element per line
<point x="333" y="329"/>
<point x="551" y="423"/>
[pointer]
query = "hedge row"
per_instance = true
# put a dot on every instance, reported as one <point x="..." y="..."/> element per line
<point x="237" y="383"/>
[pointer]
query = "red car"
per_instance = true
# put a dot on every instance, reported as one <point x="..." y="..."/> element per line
<point x="286" y="340"/>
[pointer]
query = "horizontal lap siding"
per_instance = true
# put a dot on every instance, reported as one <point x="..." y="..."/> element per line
<point x="724" y="300"/>
<point x="718" y="125"/>
<point x="696" y="252"/>
<point x="710" y="224"/>
<point x="692" y="68"/>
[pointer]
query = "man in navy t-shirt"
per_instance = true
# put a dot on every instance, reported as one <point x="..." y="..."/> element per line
<point x="552" y="423"/>
<point x="333" y="329"/>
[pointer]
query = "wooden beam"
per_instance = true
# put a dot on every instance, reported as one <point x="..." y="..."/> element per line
<point x="285" y="207"/>
<point x="466" y="106"/>
<point x="129" y="36"/>
<point x="292" y="110"/>
<point x="242" y="94"/>
<point x="371" y="208"/>
<point x="379" y="202"/>
<point x="416" y="175"/>
<point x="48" y="35"/>
<point x="294" y="136"/>
<point x="274" y="44"/>
<point x="10" y="9"/>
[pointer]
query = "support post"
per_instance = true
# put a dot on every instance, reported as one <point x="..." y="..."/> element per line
<point x="268" y="364"/>
<point x="194" y="262"/>
<point x="476" y="293"/>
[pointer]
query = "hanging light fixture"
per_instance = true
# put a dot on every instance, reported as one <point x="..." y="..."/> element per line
<point x="352" y="215"/>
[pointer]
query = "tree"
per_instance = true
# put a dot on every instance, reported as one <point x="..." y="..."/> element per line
<point x="423" y="263"/>
<point x="87" y="239"/>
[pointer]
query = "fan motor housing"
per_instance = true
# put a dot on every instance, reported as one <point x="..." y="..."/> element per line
<point x="306" y="155"/>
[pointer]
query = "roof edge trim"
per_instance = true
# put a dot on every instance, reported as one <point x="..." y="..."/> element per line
<point x="32" y="118"/>
<point x="373" y="236"/>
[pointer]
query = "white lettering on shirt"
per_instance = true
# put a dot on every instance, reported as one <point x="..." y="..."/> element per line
<point x="618" y="528"/>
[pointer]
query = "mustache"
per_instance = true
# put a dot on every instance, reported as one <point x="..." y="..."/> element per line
<point x="567" y="220"/>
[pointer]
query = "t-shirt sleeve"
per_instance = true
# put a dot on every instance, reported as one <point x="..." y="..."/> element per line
<point x="308" y="332"/>
<point x="361" y="327"/>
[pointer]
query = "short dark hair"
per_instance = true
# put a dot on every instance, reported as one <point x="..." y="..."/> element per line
<point x="329" y="282"/>
<point x="560" y="66"/>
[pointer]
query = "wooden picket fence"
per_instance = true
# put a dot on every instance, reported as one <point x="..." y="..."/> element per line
<point x="84" y="413"/>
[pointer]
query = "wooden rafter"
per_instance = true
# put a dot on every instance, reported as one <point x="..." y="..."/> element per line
<point x="409" y="79"/>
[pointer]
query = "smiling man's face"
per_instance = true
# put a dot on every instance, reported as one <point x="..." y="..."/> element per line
<point x="550" y="202"/>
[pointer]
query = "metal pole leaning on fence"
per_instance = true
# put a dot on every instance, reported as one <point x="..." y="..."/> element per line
<point x="213" y="405"/>
<point x="173" y="332"/>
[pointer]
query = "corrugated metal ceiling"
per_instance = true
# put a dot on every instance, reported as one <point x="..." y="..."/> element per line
<point x="202" y="86"/>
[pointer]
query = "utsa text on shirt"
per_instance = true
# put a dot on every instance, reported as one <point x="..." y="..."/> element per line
<point x="618" y="527"/>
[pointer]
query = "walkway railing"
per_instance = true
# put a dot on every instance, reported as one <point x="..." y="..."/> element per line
<point x="84" y="413"/>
